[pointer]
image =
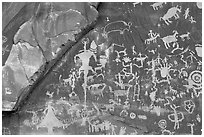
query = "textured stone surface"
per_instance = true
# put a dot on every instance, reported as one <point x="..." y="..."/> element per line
<point x="138" y="71"/>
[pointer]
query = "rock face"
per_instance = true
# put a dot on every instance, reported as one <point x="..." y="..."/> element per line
<point x="38" y="40"/>
<point x="136" y="70"/>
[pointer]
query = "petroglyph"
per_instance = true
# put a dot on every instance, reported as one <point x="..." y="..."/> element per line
<point x="153" y="37"/>
<point x="187" y="36"/>
<point x="116" y="26"/>
<point x="189" y="106"/>
<point x="123" y="74"/>
<point x="170" y="39"/>
<point x="176" y="117"/>
<point x="157" y="5"/>
<point x="172" y="12"/>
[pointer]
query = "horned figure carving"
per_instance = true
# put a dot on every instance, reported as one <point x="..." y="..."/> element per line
<point x="170" y="39"/>
<point x="172" y="12"/>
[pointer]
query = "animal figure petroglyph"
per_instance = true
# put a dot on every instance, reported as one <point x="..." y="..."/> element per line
<point x="157" y="5"/>
<point x="49" y="94"/>
<point x="170" y="39"/>
<point x="121" y="92"/>
<point x="96" y="90"/>
<point x="172" y="12"/>
<point x="113" y="27"/>
<point x="183" y="36"/>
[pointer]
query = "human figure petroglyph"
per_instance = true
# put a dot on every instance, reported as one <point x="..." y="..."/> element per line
<point x="191" y="127"/>
<point x="136" y="86"/>
<point x="183" y="36"/>
<point x="172" y="12"/>
<point x="151" y="34"/>
<point x="50" y="121"/>
<point x="117" y="57"/>
<point x="85" y="57"/>
<point x="120" y="81"/>
<point x="124" y="70"/>
<point x="177" y="116"/>
<point x="140" y="58"/>
<point x="153" y="37"/>
<point x="5" y="49"/>
<point x="192" y="20"/>
<point x="157" y="5"/>
<point x="186" y="14"/>
<point x="170" y="39"/>
<point x="49" y="94"/>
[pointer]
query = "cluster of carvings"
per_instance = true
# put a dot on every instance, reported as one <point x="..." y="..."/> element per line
<point x="127" y="82"/>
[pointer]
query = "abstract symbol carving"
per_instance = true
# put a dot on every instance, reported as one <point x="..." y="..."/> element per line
<point x="162" y="124"/>
<point x="189" y="106"/>
<point x="132" y="115"/>
<point x="195" y="78"/>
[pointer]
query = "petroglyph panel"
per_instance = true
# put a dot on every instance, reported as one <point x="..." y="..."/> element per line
<point x="136" y="71"/>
